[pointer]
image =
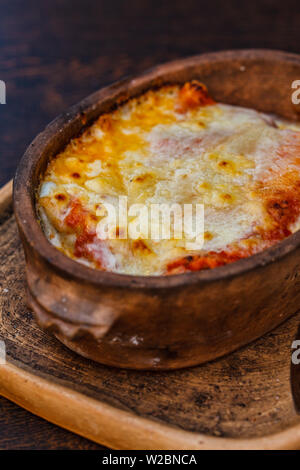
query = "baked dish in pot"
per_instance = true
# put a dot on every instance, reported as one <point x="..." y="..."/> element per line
<point x="219" y="131"/>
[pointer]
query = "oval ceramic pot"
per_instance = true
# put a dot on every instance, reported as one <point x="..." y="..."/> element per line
<point x="162" y="322"/>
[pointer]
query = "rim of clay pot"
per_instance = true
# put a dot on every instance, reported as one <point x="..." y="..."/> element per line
<point x="59" y="131"/>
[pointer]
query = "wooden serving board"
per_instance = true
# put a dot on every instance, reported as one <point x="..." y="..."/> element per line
<point x="241" y="401"/>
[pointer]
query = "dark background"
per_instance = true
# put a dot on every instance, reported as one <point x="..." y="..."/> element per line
<point x="55" y="52"/>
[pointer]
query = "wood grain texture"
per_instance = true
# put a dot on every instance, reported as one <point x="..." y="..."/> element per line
<point x="241" y="401"/>
<point x="39" y="435"/>
<point x="78" y="50"/>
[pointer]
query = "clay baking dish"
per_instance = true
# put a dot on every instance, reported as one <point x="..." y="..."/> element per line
<point x="174" y="321"/>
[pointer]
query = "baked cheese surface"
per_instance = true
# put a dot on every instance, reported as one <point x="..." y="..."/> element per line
<point x="174" y="145"/>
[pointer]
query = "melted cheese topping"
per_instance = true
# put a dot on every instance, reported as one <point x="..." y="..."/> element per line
<point x="175" y="145"/>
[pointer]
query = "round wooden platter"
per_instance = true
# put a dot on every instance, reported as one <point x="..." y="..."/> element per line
<point x="242" y="401"/>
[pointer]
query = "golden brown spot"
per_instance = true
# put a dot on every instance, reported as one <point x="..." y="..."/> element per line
<point x="227" y="165"/>
<point x="141" y="246"/>
<point x="227" y="197"/>
<point x="205" y="185"/>
<point x="60" y="197"/>
<point x="140" y="179"/>
<point x="208" y="236"/>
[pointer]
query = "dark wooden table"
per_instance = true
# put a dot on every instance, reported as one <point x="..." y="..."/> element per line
<point x="55" y="52"/>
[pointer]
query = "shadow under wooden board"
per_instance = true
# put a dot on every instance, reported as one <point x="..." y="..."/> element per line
<point x="242" y="401"/>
